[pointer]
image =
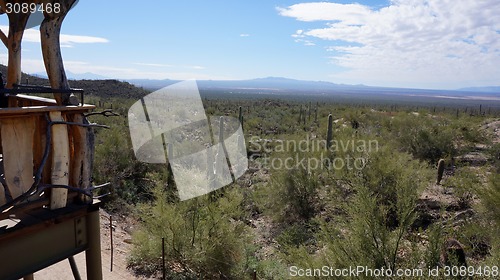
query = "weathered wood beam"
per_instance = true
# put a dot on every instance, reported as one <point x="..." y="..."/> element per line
<point x="50" y="31"/>
<point x="17" y="24"/>
<point x="60" y="161"/>
<point x="82" y="155"/>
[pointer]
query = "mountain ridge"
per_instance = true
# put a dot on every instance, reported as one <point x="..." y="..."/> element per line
<point x="106" y="88"/>
<point x="280" y="85"/>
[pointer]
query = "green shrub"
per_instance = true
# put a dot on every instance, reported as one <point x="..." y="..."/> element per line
<point x="465" y="184"/>
<point x="380" y="213"/>
<point x="490" y="199"/>
<point x="292" y="195"/>
<point x="425" y="139"/>
<point x="435" y="233"/>
<point x="202" y="235"/>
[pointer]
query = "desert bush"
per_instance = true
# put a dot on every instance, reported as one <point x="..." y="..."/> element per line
<point x="432" y="254"/>
<point x="490" y="199"/>
<point x="380" y="213"/>
<point x="465" y="184"/>
<point x="202" y="236"/>
<point x="291" y="195"/>
<point x="424" y="139"/>
<point x="494" y="153"/>
<point x="114" y="162"/>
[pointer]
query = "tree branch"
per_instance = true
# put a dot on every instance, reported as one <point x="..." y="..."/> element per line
<point x="4" y="39"/>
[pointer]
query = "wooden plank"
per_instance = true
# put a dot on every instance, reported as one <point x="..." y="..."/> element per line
<point x="17" y="143"/>
<point x="82" y="154"/>
<point x="60" y="161"/>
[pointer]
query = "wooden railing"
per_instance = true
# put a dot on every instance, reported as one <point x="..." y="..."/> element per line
<point x="46" y="154"/>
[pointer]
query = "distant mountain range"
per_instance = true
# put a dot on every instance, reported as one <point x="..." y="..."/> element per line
<point x="75" y="76"/>
<point x="482" y="89"/>
<point x="278" y="85"/>
<point x="101" y="85"/>
<point x="269" y="83"/>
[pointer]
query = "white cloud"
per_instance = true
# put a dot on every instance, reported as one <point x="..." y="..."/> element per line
<point x="33" y="36"/>
<point x="426" y="43"/>
<point x="78" y="39"/>
<point x="244" y="35"/>
<point x="305" y="42"/>
<point x="326" y="11"/>
<point x="153" y="64"/>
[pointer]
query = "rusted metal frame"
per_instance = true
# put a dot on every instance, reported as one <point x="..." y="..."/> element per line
<point x="57" y="235"/>
<point x="41" y="89"/>
<point x="106" y="113"/>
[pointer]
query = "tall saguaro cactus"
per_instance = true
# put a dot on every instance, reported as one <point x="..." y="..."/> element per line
<point x="316" y="113"/>
<point x="309" y="112"/>
<point x="240" y="117"/>
<point x="300" y="114"/>
<point x="329" y="135"/>
<point x="440" y="171"/>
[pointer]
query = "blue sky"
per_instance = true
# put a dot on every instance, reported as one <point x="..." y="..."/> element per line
<point x="404" y="43"/>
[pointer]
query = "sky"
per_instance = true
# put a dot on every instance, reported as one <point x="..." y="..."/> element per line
<point x="438" y="44"/>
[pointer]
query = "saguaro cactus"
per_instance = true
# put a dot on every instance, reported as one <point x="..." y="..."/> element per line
<point x="309" y="113"/>
<point x="329" y="135"/>
<point x="240" y="117"/>
<point x="440" y="171"/>
<point x="316" y="113"/>
<point x="300" y="114"/>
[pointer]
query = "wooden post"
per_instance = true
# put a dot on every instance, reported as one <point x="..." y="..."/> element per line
<point x="17" y="24"/>
<point x="60" y="161"/>
<point x="50" y="31"/>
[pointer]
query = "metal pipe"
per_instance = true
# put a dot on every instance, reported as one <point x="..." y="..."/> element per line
<point x="111" y="236"/>
<point x="93" y="253"/>
<point x="74" y="268"/>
